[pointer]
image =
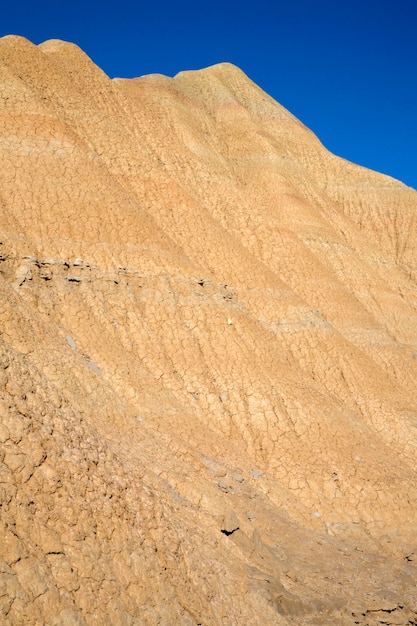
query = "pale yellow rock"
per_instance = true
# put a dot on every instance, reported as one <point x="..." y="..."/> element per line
<point x="201" y="311"/>
<point x="230" y="522"/>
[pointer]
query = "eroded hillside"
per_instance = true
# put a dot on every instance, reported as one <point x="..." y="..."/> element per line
<point x="209" y="357"/>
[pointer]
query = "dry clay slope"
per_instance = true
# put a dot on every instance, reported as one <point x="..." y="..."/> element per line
<point x="208" y="323"/>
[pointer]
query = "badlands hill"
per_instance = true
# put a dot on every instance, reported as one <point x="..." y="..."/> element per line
<point x="208" y="376"/>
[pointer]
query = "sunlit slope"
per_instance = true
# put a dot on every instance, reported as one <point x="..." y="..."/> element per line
<point x="207" y="321"/>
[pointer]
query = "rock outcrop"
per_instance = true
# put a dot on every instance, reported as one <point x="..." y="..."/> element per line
<point x="208" y="347"/>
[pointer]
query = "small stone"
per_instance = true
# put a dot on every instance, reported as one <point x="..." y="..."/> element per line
<point x="71" y="342"/>
<point x="230" y="522"/>
<point x="92" y="366"/>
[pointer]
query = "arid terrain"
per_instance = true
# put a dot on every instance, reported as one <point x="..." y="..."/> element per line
<point x="208" y="340"/>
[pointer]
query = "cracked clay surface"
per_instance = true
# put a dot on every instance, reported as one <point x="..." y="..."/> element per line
<point x="208" y="358"/>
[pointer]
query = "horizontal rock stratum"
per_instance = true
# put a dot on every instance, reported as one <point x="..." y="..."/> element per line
<point x="208" y="358"/>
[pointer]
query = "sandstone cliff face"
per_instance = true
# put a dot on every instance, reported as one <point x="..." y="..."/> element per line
<point x="208" y="349"/>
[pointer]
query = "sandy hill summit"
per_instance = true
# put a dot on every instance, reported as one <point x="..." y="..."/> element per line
<point x="208" y="381"/>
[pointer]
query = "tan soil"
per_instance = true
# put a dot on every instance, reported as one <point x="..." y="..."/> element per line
<point x="208" y="371"/>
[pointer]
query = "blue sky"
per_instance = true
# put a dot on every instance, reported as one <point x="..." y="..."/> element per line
<point x="347" y="69"/>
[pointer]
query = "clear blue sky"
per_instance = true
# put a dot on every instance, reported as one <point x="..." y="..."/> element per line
<point x="347" y="69"/>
